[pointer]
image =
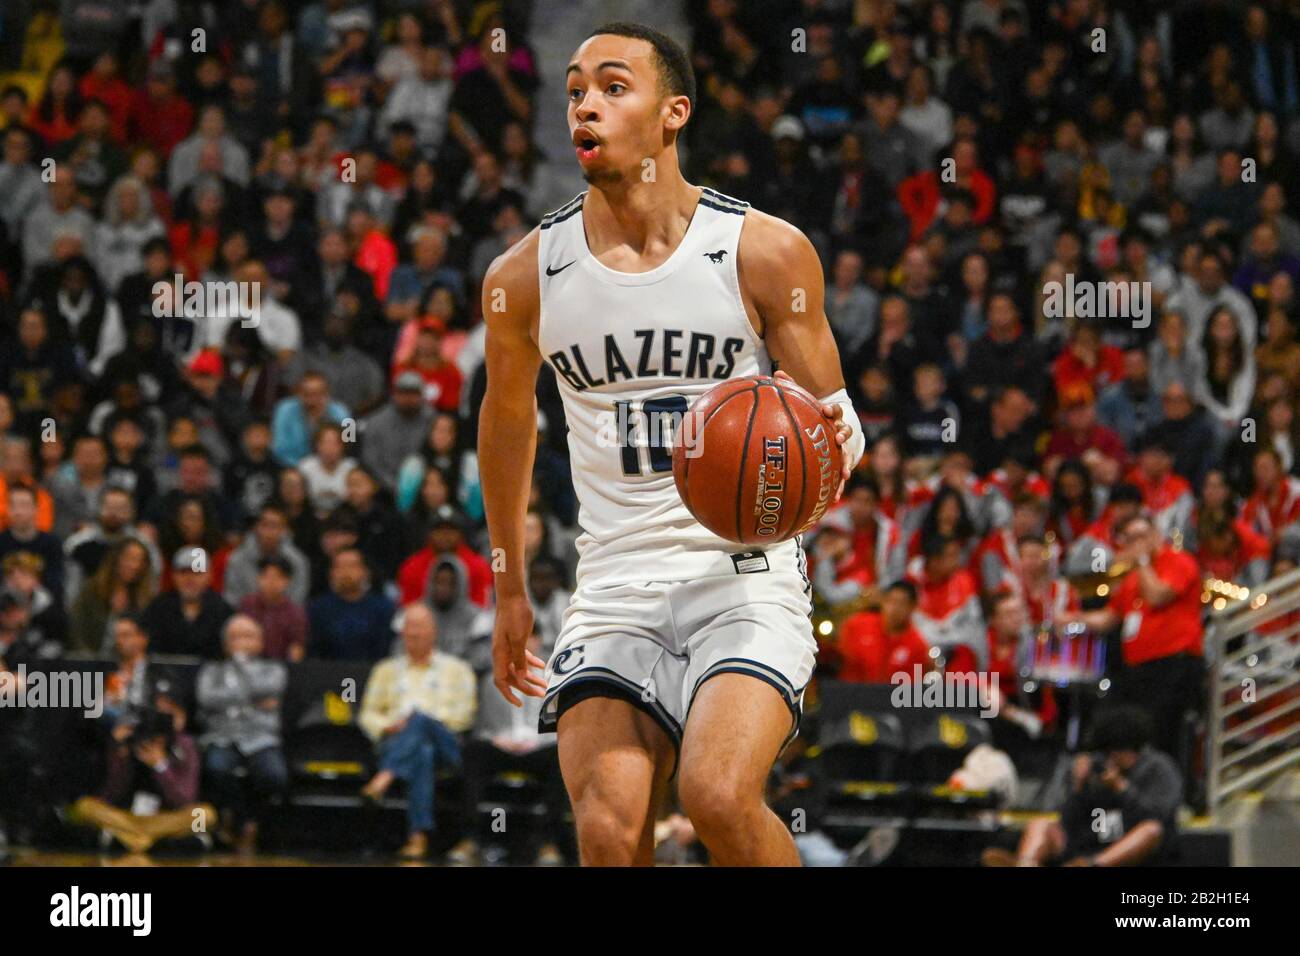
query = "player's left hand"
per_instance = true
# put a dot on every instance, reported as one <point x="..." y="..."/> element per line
<point x="842" y="431"/>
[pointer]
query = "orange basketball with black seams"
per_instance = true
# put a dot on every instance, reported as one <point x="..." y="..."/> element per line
<point x="756" y="460"/>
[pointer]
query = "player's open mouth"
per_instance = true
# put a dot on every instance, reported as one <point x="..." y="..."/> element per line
<point x="587" y="146"/>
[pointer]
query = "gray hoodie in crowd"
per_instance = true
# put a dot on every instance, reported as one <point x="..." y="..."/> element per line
<point x="242" y="570"/>
<point x="388" y="437"/>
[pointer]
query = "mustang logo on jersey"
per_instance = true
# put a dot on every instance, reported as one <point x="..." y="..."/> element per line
<point x="656" y="353"/>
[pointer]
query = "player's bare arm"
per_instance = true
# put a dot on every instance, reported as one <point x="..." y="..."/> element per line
<point x="507" y="444"/>
<point x="782" y="284"/>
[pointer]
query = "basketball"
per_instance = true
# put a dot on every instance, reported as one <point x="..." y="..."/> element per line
<point x="757" y="461"/>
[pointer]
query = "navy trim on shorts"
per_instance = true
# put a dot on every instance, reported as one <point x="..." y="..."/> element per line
<point x="756" y="669"/>
<point x="585" y="684"/>
<point x="801" y="563"/>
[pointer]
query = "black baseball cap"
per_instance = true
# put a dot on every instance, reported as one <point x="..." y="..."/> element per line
<point x="447" y="516"/>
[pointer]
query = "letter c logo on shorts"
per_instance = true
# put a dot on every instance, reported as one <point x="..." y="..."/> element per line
<point x="569" y="659"/>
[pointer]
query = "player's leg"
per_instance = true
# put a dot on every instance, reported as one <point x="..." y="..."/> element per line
<point x="735" y="730"/>
<point x="614" y="699"/>
<point x="616" y="761"/>
<point x="751" y="653"/>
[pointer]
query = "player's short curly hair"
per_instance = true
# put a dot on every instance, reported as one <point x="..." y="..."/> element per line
<point x="675" y="73"/>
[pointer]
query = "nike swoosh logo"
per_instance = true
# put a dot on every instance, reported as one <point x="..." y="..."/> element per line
<point x="551" y="272"/>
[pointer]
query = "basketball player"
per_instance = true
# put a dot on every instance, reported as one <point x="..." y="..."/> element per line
<point x="681" y="653"/>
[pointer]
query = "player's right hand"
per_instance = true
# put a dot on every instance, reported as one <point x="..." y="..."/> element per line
<point x="512" y="661"/>
<point x="836" y="414"/>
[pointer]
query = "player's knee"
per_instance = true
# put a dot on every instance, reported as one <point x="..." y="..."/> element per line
<point x="715" y="802"/>
<point x="605" y="836"/>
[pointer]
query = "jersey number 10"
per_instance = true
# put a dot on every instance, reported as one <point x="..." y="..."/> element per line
<point x="659" y="420"/>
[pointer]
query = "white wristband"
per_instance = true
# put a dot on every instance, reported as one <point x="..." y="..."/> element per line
<point x="857" y="443"/>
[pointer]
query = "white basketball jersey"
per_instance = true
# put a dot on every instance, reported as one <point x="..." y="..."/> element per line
<point x="631" y="352"/>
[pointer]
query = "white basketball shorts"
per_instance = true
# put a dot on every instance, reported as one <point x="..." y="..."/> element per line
<point x="655" y="643"/>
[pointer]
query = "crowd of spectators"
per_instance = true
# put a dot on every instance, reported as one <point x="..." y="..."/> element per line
<point x="305" y="486"/>
<point x="965" y="169"/>
<point x="186" y="477"/>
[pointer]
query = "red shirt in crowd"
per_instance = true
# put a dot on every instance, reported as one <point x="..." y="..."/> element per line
<point x="1071" y="371"/>
<point x="114" y="93"/>
<point x="1163" y="496"/>
<point x="442" y="384"/>
<point x="997" y="482"/>
<point x="1151" y="633"/>
<point x="160" y="124"/>
<point x="413" y="575"/>
<point x="919" y="196"/>
<point x="1162" y="493"/>
<point x="1251" y="547"/>
<point x="870" y="655"/>
<point x="377" y="257"/>
<point x="1066" y="444"/>
<point x="194" y="246"/>
<point x="1268" y="514"/>
<point x="869" y="553"/>
<point x="1103" y="529"/>
<point x="59" y="128"/>
<point x="1004" y="662"/>
<point x="1054" y="603"/>
<point x="948" y="613"/>
<point x="995" y="559"/>
<point x="871" y="546"/>
<point x="1071" y="525"/>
